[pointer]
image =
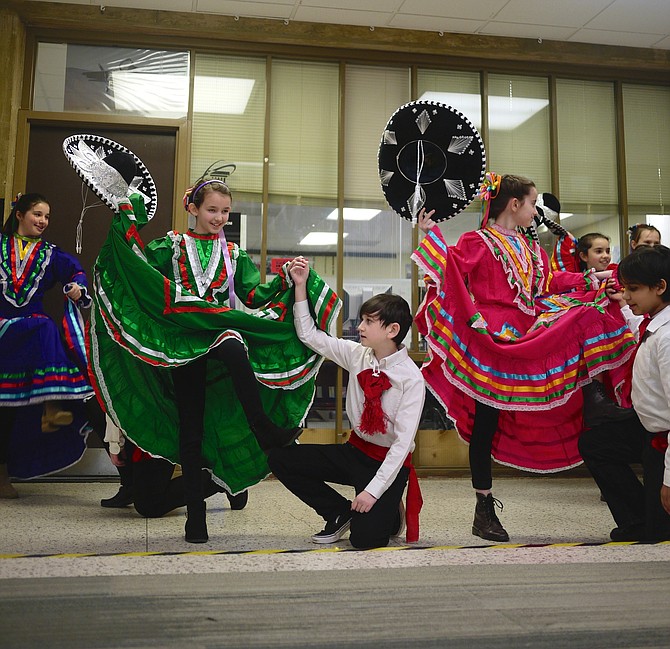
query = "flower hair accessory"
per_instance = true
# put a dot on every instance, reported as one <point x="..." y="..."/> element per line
<point x="488" y="190"/>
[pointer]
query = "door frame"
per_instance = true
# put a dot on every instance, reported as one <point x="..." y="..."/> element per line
<point x="85" y="122"/>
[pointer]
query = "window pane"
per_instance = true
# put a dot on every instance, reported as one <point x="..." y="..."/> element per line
<point x="462" y="90"/>
<point x="116" y="80"/>
<point x="229" y="99"/>
<point x="378" y="241"/>
<point x="304" y="130"/>
<point x="588" y="159"/>
<point x="519" y="128"/>
<point x="303" y="162"/>
<point x="647" y="130"/>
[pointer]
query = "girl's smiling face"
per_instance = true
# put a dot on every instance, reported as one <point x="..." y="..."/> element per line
<point x="33" y="222"/>
<point x="212" y="214"/>
<point x="598" y="256"/>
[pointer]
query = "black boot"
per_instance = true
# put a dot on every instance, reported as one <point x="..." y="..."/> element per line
<point x="238" y="501"/>
<point x="196" y="523"/>
<point x="599" y="408"/>
<point x="486" y="524"/>
<point x="123" y="498"/>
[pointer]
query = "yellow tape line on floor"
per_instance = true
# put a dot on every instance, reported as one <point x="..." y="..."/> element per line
<point x="160" y="553"/>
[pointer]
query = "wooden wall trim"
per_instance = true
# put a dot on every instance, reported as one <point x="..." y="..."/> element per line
<point x="384" y="45"/>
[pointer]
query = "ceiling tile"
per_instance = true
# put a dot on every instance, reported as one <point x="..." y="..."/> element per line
<point x="664" y="43"/>
<point x="389" y="6"/>
<point x="495" y="28"/>
<point x="436" y="24"/>
<point x="566" y="13"/>
<point x="623" y="39"/>
<point x="642" y="16"/>
<point x="341" y="16"/>
<point x="470" y="9"/>
<point x="245" y="8"/>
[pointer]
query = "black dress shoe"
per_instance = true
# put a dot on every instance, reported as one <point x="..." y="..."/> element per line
<point x="599" y="408"/>
<point x="123" y="498"/>
<point x="628" y="533"/>
<point x="238" y="501"/>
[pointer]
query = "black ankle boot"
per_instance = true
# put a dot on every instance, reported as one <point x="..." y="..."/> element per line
<point x="269" y="435"/>
<point x="123" y="498"/>
<point x="599" y="408"/>
<point x="238" y="501"/>
<point x="196" y="523"/>
<point x="486" y="524"/>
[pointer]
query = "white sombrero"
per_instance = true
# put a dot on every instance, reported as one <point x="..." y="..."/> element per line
<point x="111" y="170"/>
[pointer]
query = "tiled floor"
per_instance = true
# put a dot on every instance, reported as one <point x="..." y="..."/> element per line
<point x="550" y="520"/>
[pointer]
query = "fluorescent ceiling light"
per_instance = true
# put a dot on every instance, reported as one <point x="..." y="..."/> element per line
<point x="354" y="214"/>
<point x="320" y="239"/>
<point x="223" y="95"/>
<point x="149" y="93"/>
<point x="505" y="113"/>
<point x="657" y="216"/>
<point x="566" y="215"/>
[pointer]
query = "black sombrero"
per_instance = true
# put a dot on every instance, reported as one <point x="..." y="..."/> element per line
<point x="430" y="156"/>
<point x="111" y="170"/>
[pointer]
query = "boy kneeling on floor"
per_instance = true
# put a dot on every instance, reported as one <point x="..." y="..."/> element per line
<point x="384" y="402"/>
<point x="641" y="511"/>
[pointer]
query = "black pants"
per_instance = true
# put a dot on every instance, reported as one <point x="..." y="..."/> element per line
<point x="306" y="468"/>
<point x="609" y="451"/>
<point x="483" y="430"/>
<point x="189" y="385"/>
<point x="155" y="491"/>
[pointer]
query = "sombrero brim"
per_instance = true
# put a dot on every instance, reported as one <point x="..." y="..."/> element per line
<point x="430" y="156"/>
<point x="87" y="154"/>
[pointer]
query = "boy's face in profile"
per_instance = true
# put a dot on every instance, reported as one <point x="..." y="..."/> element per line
<point x="372" y="333"/>
<point x="644" y="299"/>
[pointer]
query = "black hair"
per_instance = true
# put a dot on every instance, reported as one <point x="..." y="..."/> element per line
<point x="585" y="243"/>
<point x="23" y="204"/>
<point x="389" y="308"/>
<point x="647" y="265"/>
<point x="510" y="187"/>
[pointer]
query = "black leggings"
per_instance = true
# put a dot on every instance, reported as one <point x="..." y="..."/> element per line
<point x="483" y="430"/>
<point x="189" y="385"/>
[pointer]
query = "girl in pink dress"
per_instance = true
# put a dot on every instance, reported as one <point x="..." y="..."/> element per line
<point x="508" y="348"/>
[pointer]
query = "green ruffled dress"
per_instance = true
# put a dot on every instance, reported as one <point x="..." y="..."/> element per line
<point x="166" y="304"/>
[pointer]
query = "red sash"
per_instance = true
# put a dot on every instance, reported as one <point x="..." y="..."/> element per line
<point x="414" y="500"/>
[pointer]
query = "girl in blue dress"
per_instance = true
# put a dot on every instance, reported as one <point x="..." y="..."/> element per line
<point x="37" y="372"/>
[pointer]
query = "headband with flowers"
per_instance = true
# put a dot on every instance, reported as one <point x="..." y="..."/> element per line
<point x="487" y="192"/>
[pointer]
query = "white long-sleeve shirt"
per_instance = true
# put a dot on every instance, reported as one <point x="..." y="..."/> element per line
<point x="402" y="402"/>
<point x="650" y="391"/>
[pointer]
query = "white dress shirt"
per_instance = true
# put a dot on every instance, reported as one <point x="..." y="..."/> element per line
<point x="402" y="402"/>
<point x="651" y="379"/>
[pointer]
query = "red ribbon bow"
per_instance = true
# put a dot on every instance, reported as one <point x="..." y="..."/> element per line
<point x="373" y="419"/>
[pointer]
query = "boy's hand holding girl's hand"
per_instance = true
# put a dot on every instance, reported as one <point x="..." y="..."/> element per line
<point x="298" y="268"/>
<point x="363" y="502"/>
